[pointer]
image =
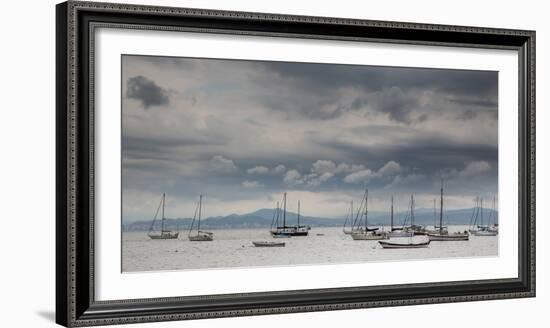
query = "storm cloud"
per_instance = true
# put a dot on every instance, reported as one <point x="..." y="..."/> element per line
<point x="146" y="91"/>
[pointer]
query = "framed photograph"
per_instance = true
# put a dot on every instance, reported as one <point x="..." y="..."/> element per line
<point x="216" y="164"/>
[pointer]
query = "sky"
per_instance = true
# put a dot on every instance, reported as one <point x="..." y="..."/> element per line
<point x="243" y="132"/>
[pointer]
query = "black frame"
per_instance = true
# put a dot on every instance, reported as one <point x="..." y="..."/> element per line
<point x="75" y="303"/>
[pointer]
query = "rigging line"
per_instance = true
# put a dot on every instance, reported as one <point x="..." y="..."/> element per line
<point x="358" y="217"/>
<point x="473" y="213"/>
<point x="194" y="217"/>
<point x="155" y="217"/>
<point x="273" y="218"/>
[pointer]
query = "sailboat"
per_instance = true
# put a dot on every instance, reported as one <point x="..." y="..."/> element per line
<point x="483" y="230"/>
<point x="284" y="230"/>
<point x="366" y="233"/>
<point x="349" y="217"/>
<point x="414" y="228"/>
<point x="444" y="235"/>
<point x="494" y="214"/>
<point x="164" y="234"/>
<point x="436" y="226"/>
<point x="475" y="215"/>
<point x="200" y="235"/>
<point x="397" y="232"/>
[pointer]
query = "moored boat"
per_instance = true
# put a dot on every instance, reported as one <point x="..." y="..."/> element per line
<point x="457" y="236"/>
<point x="366" y="233"/>
<point x="200" y="235"/>
<point x="349" y="217"/>
<point x="164" y="233"/>
<point x="297" y="230"/>
<point x="485" y="233"/>
<point x="396" y="232"/>
<point x="268" y="244"/>
<point x="410" y="244"/>
<point x="444" y="235"/>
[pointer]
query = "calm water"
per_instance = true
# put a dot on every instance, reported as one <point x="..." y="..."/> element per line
<point x="233" y="248"/>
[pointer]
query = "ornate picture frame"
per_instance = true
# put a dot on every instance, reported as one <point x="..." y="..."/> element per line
<point x="76" y="302"/>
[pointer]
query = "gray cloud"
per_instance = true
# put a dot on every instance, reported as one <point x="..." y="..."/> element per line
<point x="146" y="91"/>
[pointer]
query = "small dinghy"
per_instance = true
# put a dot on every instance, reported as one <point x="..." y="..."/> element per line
<point x="425" y="242"/>
<point x="410" y="244"/>
<point x="268" y="244"/>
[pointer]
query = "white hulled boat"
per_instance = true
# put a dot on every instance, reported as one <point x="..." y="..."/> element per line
<point x="164" y="233"/>
<point x="444" y="235"/>
<point x="394" y="231"/>
<point x="200" y="235"/>
<point x="366" y="233"/>
<point x="349" y="217"/>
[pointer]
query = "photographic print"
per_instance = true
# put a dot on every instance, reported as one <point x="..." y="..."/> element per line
<point x="246" y="163"/>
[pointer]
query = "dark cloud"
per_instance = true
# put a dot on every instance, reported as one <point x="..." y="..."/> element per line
<point x="146" y="91"/>
<point x="395" y="91"/>
<point x="477" y="102"/>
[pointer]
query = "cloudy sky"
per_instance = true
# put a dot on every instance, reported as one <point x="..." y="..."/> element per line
<point x="243" y="132"/>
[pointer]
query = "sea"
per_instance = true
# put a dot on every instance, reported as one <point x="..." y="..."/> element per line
<point x="233" y="248"/>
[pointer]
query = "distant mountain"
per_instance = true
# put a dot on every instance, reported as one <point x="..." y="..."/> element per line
<point x="262" y="219"/>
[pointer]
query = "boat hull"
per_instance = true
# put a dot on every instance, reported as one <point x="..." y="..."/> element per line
<point x="450" y="237"/>
<point x="202" y="237"/>
<point x="280" y="235"/>
<point x="301" y="231"/>
<point x="390" y="245"/>
<point x="485" y="233"/>
<point x="368" y="236"/>
<point x="268" y="244"/>
<point x="165" y="235"/>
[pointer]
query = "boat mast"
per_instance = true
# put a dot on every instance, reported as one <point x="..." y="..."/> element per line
<point x="435" y="216"/>
<point x="481" y="209"/>
<point x="391" y="215"/>
<point x="278" y="211"/>
<point x="412" y="211"/>
<point x="163" y="201"/>
<point x="298" y="213"/>
<point x="351" y="217"/>
<point x="366" y="209"/>
<point x="200" y="210"/>
<point x="441" y="211"/>
<point x="284" y="210"/>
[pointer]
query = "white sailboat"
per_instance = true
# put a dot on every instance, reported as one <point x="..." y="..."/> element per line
<point x="349" y="217"/>
<point x="397" y="232"/>
<point x="366" y="233"/>
<point x="494" y="215"/>
<point x="444" y="235"/>
<point x="200" y="234"/>
<point x="414" y="228"/>
<point x="164" y="233"/>
<point x="436" y="226"/>
<point x="483" y="230"/>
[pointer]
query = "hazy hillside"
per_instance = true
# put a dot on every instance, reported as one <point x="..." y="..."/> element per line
<point x="262" y="219"/>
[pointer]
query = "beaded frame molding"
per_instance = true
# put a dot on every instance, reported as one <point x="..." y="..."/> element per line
<point x="75" y="30"/>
